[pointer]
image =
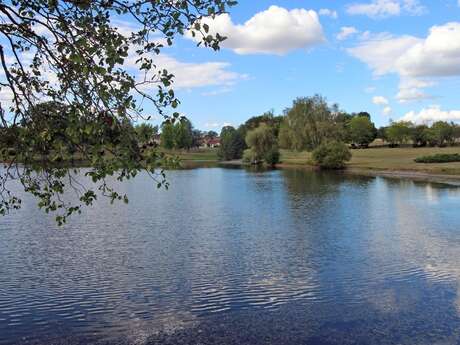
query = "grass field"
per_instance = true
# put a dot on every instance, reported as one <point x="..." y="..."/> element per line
<point x="396" y="159"/>
<point x="199" y="155"/>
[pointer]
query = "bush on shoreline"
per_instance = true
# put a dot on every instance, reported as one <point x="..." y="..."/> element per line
<point x="331" y="155"/>
<point x="439" y="158"/>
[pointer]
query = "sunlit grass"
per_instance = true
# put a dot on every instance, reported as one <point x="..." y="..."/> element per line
<point x="397" y="159"/>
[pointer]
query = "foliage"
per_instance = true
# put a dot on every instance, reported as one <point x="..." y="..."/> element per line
<point x="399" y="133"/>
<point x="145" y="132"/>
<point x="308" y="123"/>
<point x="212" y="134"/>
<point x="381" y="133"/>
<point x="74" y="54"/>
<point x="231" y="144"/>
<point x="439" y="158"/>
<point x="183" y="136"/>
<point x="420" y="136"/>
<point x="249" y="156"/>
<point x="177" y="135"/>
<point x="272" y="157"/>
<point x="331" y="155"/>
<point x="167" y="135"/>
<point x="361" y="130"/>
<point x="268" y="118"/>
<point x="443" y="133"/>
<point x="262" y="145"/>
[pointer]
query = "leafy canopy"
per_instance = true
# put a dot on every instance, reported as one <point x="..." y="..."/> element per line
<point x="331" y="155"/>
<point x="73" y="54"/>
<point x="263" y="146"/>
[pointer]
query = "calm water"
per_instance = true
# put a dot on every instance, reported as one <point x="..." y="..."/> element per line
<point x="229" y="256"/>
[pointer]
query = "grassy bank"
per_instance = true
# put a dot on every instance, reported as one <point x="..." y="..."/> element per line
<point x="396" y="159"/>
<point x="198" y="155"/>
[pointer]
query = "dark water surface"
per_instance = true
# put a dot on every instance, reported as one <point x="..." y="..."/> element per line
<point x="229" y="256"/>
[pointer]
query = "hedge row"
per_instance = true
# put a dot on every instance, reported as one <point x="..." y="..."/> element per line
<point x="439" y="158"/>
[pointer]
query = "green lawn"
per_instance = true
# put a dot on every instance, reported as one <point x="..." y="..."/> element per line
<point x="396" y="159"/>
<point x="198" y="155"/>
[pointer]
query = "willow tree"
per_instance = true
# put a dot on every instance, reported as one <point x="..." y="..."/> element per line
<point x="93" y="63"/>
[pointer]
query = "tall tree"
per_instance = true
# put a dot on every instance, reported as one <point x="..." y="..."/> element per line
<point x="167" y="135"/>
<point x="361" y="131"/>
<point x="183" y="134"/>
<point x="443" y="132"/>
<point x="73" y="52"/>
<point x="309" y="122"/>
<point x="399" y="132"/>
<point x="145" y="132"/>
<point x="231" y="144"/>
<point x="263" y="146"/>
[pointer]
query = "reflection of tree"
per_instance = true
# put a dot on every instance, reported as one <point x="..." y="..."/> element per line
<point x="314" y="183"/>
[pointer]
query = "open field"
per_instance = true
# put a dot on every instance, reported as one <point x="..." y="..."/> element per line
<point x="199" y="155"/>
<point x="396" y="159"/>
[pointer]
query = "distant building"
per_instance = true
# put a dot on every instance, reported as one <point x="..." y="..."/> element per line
<point x="207" y="142"/>
<point x="214" y="142"/>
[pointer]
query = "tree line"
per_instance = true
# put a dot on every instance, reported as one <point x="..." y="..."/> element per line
<point x="312" y="124"/>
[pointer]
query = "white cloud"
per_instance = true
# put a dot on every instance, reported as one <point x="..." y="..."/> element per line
<point x="273" y="31"/>
<point x="190" y="75"/>
<point x="329" y="13"/>
<point x="437" y="55"/>
<point x="380" y="100"/>
<point x="380" y="52"/>
<point x="410" y="89"/>
<point x="386" y="8"/>
<point x="187" y="75"/>
<point x="6" y="97"/>
<point x="345" y="32"/>
<point x="432" y="114"/>
<point x="217" y="92"/>
<point x="217" y="125"/>
<point x="416" y="60"/>
<point x="387" y="110"/>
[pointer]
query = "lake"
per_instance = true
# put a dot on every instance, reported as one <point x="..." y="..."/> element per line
<point x="233" y="256"/>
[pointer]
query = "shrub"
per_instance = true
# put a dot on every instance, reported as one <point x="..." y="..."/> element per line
<point x="332" y="155"/>
<point x="263" y="146"/>
<point x="272" y="157"/>
<point x="249" y="156"/>
<point x="439" y="158"/>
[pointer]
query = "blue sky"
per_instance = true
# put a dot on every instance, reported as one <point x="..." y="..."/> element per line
<point x="397" y="59"/>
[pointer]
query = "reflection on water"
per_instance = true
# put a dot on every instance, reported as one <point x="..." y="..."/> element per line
<point x="236" y="256"/>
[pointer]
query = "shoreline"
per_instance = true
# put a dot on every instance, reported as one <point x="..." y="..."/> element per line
<point x="396" y="174"/>
<point x="407" y="175"/>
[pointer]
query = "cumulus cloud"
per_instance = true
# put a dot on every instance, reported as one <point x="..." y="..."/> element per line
<point x="187" y="75"/>
<point x="386" y="8"/>
<point x="190" y="75"/>
<point x="432" y="114"/>
<point x="411" y="89"/>
<point x="329" y="13"/>
<point x="437" y="55"/>
<point x="387" y="110"/>
<point x="381" y="51"/>
<point x="380" y="100"/>
<point x="345" y="32"/>
<point x="273" y="31"/>
<point x="416" y="60"/>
